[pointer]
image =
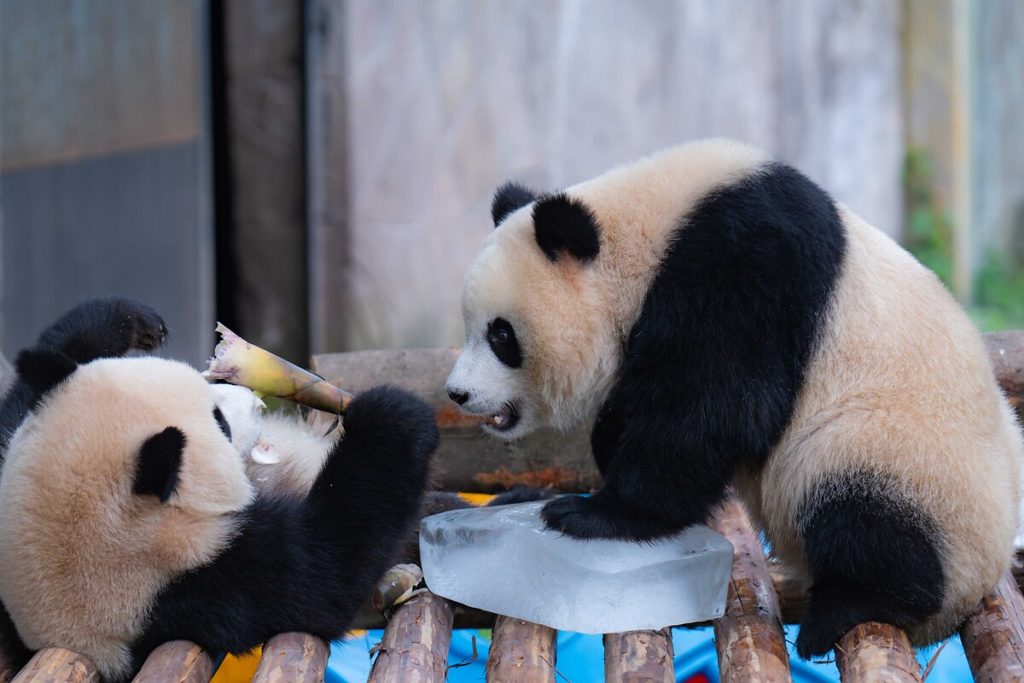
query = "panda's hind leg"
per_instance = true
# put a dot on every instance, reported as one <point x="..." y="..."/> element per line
<point x="873" y="556"/>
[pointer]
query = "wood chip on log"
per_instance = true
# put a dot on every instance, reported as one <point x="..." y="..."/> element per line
<point x="55" y="665"/>
<point x="876" y="653"/>
<point x="749" y="638"/>
<point x="292" y="658"/>
<point x="414" y="648"/>
<point x="639" y="657"/>
<point x="993" y="637"/>
<point x="521" y="652"/>
<point x="178" y="661"/>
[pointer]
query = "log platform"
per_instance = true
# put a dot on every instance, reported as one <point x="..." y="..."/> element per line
<point x="748" y="637"/>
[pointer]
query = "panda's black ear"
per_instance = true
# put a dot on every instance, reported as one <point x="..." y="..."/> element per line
<point x="508" y="198"/>
<point x="156" y="472"/>
<point x="564" y="224"/>
<point x="43" y="369"/>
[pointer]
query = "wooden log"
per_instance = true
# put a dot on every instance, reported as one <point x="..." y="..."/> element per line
<point x="993" y="637"/>
<point x="639" y="657"/>
<point x="749" y="638"/>
<point x="56" y="665"/>
<point x="876" y="653"/>
<point x="292" y="658"/>
<point x="467" y="459"/>
<point x="415" y="644"/>
<point x="178" y="661"/>
<point x="521" y="652"/>
<point x="1006" y="349"/>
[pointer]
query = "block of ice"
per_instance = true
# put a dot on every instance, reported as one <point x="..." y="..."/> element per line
<point x="502" y="559"/>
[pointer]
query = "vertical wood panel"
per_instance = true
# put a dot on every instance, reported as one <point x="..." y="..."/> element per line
<point x="421" y="110"/>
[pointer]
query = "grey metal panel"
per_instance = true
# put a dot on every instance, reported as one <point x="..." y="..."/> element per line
<point x="105" y="183"/>
<point x="126" y="224"/>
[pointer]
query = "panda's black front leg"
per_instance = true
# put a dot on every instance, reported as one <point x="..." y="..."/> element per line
<point x="104" y="328"/>
<point x="93" y="329"/>
<point x="659" y="480"/>
<point x="310" y="564"/>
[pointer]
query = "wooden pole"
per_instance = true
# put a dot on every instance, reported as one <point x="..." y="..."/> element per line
<point x="55" y="665"/>
<point x="468" y="460"/>
<point x="292" y="658"/>
<point x="876" y="653"/>
<point x="639" y="657"/>
<point x="415" y="644"/>
<point x="178" y="661"/>
<point x="749" y="638"/>
<point x="993" y="637"/>
<point x="521" y="652"/>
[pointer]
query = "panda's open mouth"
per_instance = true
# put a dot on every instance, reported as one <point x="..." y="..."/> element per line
<point x="505" y="419"/>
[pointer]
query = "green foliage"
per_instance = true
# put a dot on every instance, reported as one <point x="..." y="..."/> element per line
<point x="999" y="285"/>
<point x="929" y="229"/>
<point x="998" y="296"/>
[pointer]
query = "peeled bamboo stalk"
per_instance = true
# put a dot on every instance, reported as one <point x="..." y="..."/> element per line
<point x="415" y="644"/>
<point x="178" y="661"/>
<point x="876" y="653"/>
<point x="239" y="362"/>
<point x="993" y="637"/>
<point x="292" y="658"/>
<point x="521" y="652"/>
<point x="55" y="665"/>
<point x="749" y="638"/>
<point x="639" y="657"/>
<point x="396" y="586"/>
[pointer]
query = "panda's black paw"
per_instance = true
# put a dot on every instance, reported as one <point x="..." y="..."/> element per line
<point x="389" y="438"/>
<point x="104" y="328"/>
<point x="147" y="330"/>
<point x="816" y="639"/>
<point x="599" y="516"/>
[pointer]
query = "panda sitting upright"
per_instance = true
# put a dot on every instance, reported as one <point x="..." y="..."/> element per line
<point x="724" y="322"/>
<point x="127" y="518"/>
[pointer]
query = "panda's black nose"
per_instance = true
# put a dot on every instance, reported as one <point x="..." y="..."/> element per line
<point x="459" y="397"/>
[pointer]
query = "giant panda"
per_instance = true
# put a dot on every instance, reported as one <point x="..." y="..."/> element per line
<point x="725" y="323"/>
<point x="127" y="517"/>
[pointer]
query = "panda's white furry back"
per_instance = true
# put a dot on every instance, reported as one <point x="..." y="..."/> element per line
<point x="723" y="321"/>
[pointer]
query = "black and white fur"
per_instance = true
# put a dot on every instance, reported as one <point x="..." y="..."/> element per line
<point x="127" y="518"/>
<point x="724" y="322"/>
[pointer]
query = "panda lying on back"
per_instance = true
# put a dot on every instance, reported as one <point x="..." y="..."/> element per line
<point x="725" y="322"/>
<point x="127" y="518"/>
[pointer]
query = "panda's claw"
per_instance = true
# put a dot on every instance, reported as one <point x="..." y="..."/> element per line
<point x="601" y="516"/>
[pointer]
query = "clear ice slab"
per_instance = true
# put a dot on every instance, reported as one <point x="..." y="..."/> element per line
<point x="502" y="559"/>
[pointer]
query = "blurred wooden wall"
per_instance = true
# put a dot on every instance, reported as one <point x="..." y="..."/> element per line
<point x="417" y="111"/>
<point x="356" y="143"/>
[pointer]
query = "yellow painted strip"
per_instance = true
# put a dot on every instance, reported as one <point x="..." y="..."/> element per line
<point x="476" y="498"/>
<point x="238" y="669"/>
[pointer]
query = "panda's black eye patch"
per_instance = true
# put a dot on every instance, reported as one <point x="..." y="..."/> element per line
<point x="222" y="422"/>
<point x="502" y="340"/>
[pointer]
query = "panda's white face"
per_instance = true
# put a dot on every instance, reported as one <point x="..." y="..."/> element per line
<point x="488" y="379"/>
<point x="541" y="346"/>
<point x="243" y="413"/>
